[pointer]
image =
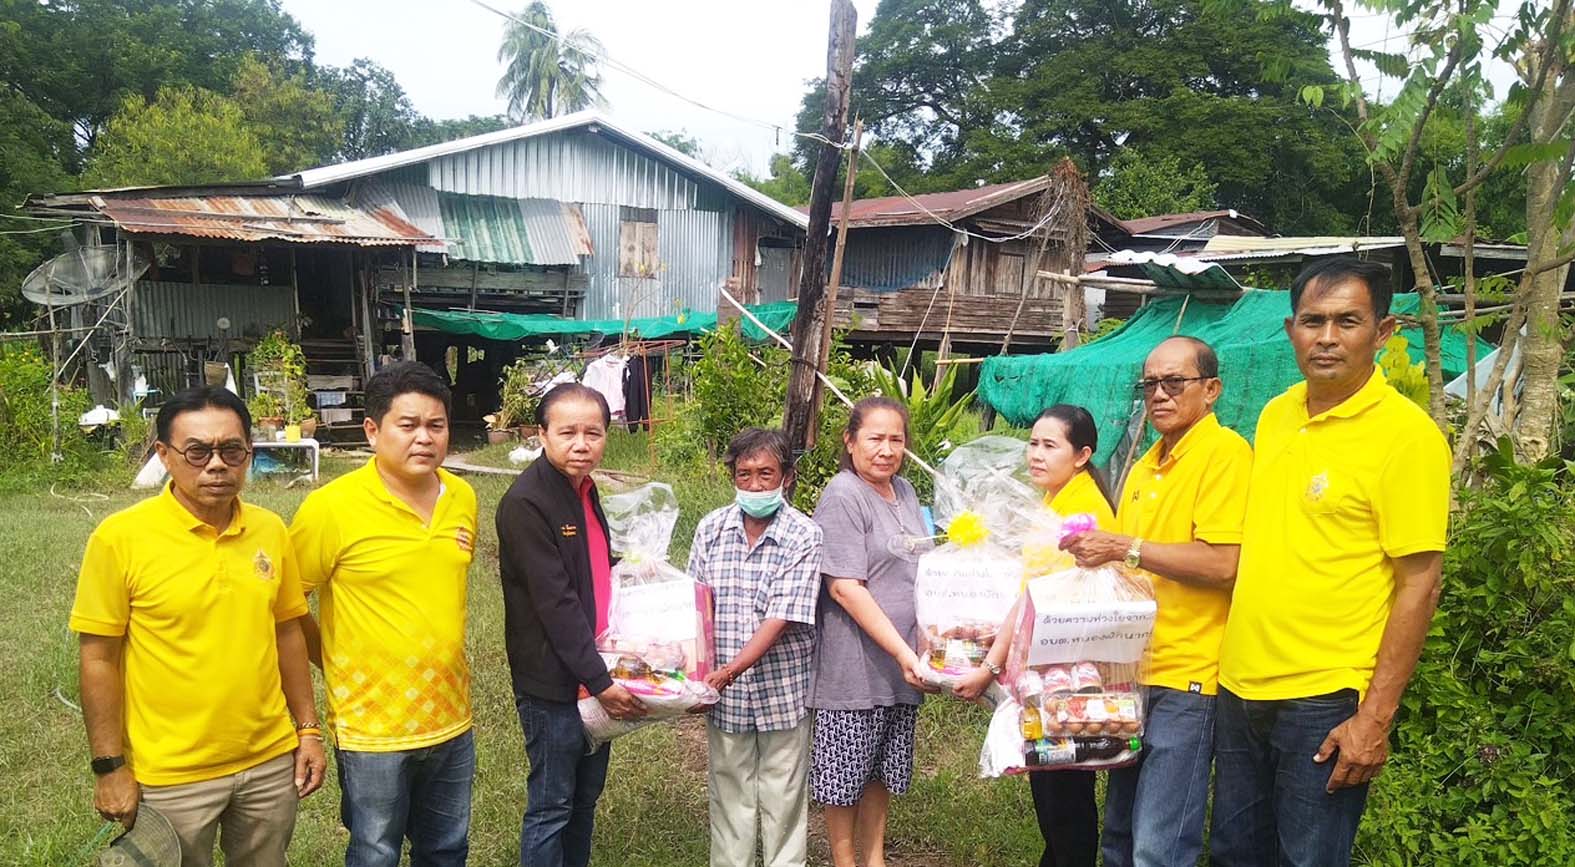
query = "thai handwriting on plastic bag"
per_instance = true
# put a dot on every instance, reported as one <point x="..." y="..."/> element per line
<point x="1114" y="631"/>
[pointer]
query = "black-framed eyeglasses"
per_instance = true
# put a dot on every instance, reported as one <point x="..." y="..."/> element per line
<point x="199" y="454"/>
<point x="1173" y="385"/>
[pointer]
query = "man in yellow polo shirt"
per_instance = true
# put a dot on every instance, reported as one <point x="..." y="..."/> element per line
<point x="1180" y="517"/>
<point x="387" y="547"/>
<point x="192" y="659"/>
<point x="1341" y="557"/>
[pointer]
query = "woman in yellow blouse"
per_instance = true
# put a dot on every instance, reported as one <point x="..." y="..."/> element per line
<point x="1060" y="462"/>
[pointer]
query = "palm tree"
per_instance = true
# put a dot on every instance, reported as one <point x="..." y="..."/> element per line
<point x="545" y="76"/>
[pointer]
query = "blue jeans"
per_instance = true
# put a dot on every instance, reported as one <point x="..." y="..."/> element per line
<point x="562" y="787"/>
<point x="1155" y="810"/>
<point x="1270" y="804"/>
<point x="422" y="794"/>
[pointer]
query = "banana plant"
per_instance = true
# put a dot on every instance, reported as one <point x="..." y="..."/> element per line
<point x="933" y="415"/>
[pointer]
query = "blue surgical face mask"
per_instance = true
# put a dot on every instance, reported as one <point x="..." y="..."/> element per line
<point x="758" y="504"/>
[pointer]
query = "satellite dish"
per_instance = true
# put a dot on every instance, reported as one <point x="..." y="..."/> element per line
<point x="81" y="275"/>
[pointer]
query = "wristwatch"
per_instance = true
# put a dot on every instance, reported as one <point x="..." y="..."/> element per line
<point x="107" y="764"/>
<point x="1135" y="553"/>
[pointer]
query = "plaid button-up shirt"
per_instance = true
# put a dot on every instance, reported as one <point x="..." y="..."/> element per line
<point x="779" y="578"/>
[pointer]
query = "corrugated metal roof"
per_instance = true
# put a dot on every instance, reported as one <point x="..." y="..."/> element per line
<point x="1312" y="245"/>
<point x="556" y="231"/>
<point x="486" y="229"/>
<point x="318" y="177"/>
<point x="1160" y="222"/>
<point x="295" y="219"/>
<point x="954" y="205"/>
<point x="513" y="231"/>
<point x="414" y="203"/>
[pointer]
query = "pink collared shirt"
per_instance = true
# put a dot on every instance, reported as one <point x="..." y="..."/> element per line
<point x="601" y="564"/>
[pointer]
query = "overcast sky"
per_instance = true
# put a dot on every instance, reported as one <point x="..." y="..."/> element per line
<point x="748" y="57"/>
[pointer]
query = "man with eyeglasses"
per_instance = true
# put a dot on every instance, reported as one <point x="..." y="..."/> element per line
<point x="194" y="677"/>
<point x="1180" y="516"/>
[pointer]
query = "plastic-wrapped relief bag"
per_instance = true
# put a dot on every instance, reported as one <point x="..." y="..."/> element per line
<point x="659" y="638"/>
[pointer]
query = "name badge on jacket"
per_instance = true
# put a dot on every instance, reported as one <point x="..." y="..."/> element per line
<point x="569" y="531"/>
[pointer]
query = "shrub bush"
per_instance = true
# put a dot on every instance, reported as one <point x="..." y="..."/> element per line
<point x="733" y="391"/>
<point x="1484" y="749"/>
<point x="26" y="426"/>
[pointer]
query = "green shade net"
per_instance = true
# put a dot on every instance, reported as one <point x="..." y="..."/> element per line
<point x="519" y="326"/>
<point x="1256" y="363"/>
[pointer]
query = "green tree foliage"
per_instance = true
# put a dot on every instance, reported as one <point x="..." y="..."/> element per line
<point x="679" y="140"/>
<point x="1137" y="186"/>
<point x="434" y="131"/>
<point x="545" y="77"/>
<point x="186" y="136"/>
<point x="786" y="183"/>
<point x="78" y="60"/>
<point x="34" y="152"/>
<point x="1001" y="98"/>
<point x="733" y="390"/>
<point x="375" y="110"/>
<point x="296" y="124"/>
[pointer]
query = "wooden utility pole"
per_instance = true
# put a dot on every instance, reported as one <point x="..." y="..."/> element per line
<point x="836" y="281"/>
<point x="809" y="325"/>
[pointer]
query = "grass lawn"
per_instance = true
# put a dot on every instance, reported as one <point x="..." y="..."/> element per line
<point x="653" y="811"/>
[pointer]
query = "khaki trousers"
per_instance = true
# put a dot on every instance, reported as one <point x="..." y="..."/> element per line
<point x="759" y="777"/>
<point x="255" y="808"/>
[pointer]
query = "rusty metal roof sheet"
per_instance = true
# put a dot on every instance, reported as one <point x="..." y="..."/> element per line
<point x="953" y="205"/>
<point x="290" y="218"/>
<point x="1161" y="222"/>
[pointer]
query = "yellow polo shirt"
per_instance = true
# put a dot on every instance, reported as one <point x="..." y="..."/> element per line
<point x="1081" y="496"/>
<point x="1334" y="499"/>
<point x="1197" y="493"/>
<point x="198" y="610"/>
<point x="392" y="609"/>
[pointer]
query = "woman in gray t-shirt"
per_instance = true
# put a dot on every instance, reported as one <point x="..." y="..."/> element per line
<point x="863" y="687"/>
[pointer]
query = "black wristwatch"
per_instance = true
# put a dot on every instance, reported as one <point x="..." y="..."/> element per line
<point x="107" y="764"/>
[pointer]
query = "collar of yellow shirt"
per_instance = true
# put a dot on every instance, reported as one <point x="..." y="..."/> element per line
<point x="1200" y="430"/>
<point x="373" y="480"/>
<point x="1368" y="396"/>
<point x="183" y="517"/>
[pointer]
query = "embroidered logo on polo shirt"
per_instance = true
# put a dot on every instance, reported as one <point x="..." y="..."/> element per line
<point x="1317" y="486"/>
<point x="569" y="531"/>
<point x="262" y="565"/>
<point x="462" y="538"/>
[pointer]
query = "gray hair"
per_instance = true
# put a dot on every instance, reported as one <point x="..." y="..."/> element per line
<point x="752" y="441"/>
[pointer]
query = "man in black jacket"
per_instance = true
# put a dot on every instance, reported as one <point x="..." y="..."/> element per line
<point x="556" y="566"/>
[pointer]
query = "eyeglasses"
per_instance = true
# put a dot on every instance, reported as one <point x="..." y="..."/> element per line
<point x="1173" y="385"/>
<point x="199" y="454"/>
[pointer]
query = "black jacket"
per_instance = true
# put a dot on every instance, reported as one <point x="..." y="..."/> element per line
<point x="549" y="603"/>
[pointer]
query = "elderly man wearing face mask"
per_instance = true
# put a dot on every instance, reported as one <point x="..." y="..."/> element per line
<point x="761" y="559"/>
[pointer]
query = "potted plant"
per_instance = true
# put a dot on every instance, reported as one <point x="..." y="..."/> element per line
<point x="267" y="413"/>
<point x="280" y="401"/>
<point x="520" y="395"/>
<point x="498" y="430"/>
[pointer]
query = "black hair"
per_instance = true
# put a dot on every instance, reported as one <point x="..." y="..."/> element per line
<point x="753" y="441"/>
<point x="1203" y="355"/>
<point x="197" y="399"/>
<point x="1336" y="269"/>
<point x="571" y="391"/>
<point x="1082" y="433"/>
<point x="856" y="418"/>
<point x="404" y="377"/>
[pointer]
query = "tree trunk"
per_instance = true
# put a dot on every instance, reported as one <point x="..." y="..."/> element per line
<point x="1427" y="312"/>
<point x="1544" y="343"/>
<point x="808" y="325"/>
